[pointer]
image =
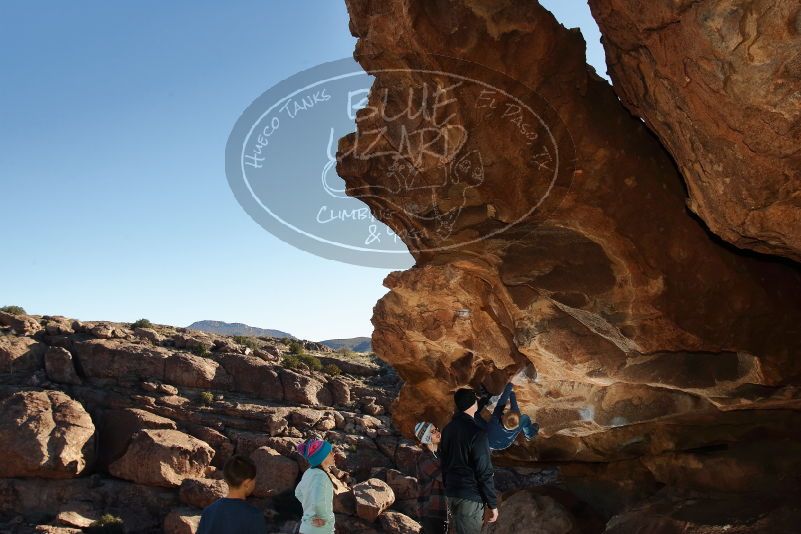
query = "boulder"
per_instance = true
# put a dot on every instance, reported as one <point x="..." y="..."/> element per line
<point x="276" y="423"/>
<point x="117" y="428"/>
<point x="372" y="496"/>
<point x="163" y="458"/>
<point x="120" y="360"/>
<point x="201" y="492"/>
<point x="223" y="448"/>
<point x="398" y="523"/>
<point x="352" y="366"/>
<point x="60" y="366"/>
<point x="253" y="375"/>
<point x="77" y="514"/>
<point x="610" y="307"/>
<point x="347" y="524"/>
<point x="24" y="325"/>
<point x="344" y="502"/>
<point x="709" y="514"/>
<point x="539" y="513"/>
<point x="149" y="334"/>
<point x="196" y="341"/>
<point x="742" y="177"/>
<point x="340" y="391"/>
<point x="276" y="473"/>
<point x="58" y="326"/>
<point x="44" y="434"/>
<point x="369" y="406"/>
<point x="188" y="370"/>
<point x="20" y="354"/>
<point x="182" y="521"/>
<point x="363" y="458"/>
<point x="302" y="389"/>
<point x="404" y="487"/>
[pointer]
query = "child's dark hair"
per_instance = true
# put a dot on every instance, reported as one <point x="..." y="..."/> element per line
<point x="237" y="469"/>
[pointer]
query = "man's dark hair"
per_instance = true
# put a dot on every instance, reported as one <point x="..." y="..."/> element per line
<point x="237" y="469"/>
<point x="464" y="398"/>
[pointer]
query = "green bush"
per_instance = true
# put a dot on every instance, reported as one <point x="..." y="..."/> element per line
<point x="142" y="323"/>
<point x="344" y="351"/>
<point x="295" y="361"/>
<point x="206" y="398"/>
<point x="108" y="524"/>
<point x="332" y="369"/>
<point x="312" y="362"/>
<point x="291" y="361"/>
<point x="200" y="350"/>
<point x="13" y="310"/>
<point x="295" y="347"/>
<point x="247" y="341"/>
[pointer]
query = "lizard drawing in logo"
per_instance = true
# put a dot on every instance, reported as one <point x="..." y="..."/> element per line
<point x="455" y="175"/>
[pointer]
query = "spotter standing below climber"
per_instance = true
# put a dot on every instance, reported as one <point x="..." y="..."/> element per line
<point x="467" y="470"/>
<point x="504" y="426"/>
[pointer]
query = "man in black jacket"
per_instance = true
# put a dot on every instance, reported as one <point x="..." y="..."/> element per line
<point x="467" y="468"/>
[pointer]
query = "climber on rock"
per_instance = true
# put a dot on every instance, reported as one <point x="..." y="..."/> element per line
<point x="504" y="426"/>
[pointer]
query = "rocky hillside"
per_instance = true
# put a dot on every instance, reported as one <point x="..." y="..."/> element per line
<point x="135" y="421"/>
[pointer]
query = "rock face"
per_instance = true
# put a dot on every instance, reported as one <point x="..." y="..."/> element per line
<point x="631" y="333"/>
<point x="139" y="424"/>
<point x="621" y="301"/>
<point x="163" y="458"/>
<point x="539" y="513"/>
<point x="200" y="492"/>
<point x="719" y="81"/>
<point x="276" y="472"/>
<point x="182" y="521"/>
<point x="60" y="366"/>
<point x="372" y="496"/>
<point x="20" y="354"/>
<point x="44" y="434"/>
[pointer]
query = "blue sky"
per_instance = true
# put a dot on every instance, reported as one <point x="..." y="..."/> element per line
<point x="113" y="198"/>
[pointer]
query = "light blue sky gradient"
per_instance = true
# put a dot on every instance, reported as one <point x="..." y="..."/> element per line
<point x="113" y="198"/>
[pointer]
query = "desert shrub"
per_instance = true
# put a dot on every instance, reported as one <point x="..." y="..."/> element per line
<point x="142" y="323"/>
<point x="200" y="350"/>
<point x="13" y="310"/>
<point x="291" y="361"/>
<point x="107" y="524"/>
<point x="344" y="351"/>
<point x="312" y="362"/>
<point x="295" y="347"/>
<point x="296" y="361"/>
<point x="206" y="398"/>
<point x="247" y="341"/>
<point x="332" y="369"/>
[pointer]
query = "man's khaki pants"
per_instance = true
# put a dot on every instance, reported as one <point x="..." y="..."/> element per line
<point x="467" y="516"/>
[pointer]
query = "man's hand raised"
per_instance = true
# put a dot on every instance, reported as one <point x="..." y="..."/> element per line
<point x="490" y="515"/>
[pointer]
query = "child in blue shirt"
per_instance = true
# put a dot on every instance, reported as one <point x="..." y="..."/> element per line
<point x="503" y="427"/>
<point x="231" y="514"/>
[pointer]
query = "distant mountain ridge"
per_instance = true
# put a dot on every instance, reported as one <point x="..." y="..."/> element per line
<point x="236" y="329"/>
<point x="355" y="344"/>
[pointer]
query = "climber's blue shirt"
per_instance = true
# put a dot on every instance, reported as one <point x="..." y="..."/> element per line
<point x="499" y="436"/>
<point x="233" y="516"/>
